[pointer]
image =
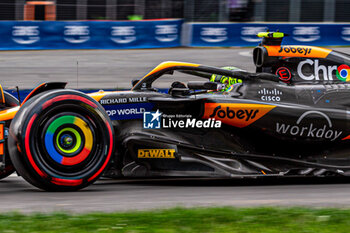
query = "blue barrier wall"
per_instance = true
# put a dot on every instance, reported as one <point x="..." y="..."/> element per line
<point x="21" y="35"/>
<point x="236" y="34"/>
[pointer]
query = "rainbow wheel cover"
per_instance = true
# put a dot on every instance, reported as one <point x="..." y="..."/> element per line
<point x="68" y="140"/>
<point x="343" y="73"/>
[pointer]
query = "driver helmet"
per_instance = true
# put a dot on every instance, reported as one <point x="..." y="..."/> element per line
<point x="228" y="81"/>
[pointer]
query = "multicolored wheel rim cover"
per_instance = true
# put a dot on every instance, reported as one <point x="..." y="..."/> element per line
<point x="68" y="140"/>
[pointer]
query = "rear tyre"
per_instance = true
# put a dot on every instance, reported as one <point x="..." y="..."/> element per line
<point x="61" y="140"/>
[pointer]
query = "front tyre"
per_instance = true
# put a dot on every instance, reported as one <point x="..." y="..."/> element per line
<point x="61" y="140"/>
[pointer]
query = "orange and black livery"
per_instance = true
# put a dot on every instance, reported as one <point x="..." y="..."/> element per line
<point x="289" y="117"/>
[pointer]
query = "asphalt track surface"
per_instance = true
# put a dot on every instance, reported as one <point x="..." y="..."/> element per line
<point x="105" y="68"/>
<point x="139" y="194"/>
<point x="115" y="68"/>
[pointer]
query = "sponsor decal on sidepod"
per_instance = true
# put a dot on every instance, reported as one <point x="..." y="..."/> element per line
<point x="238" y="115"/>
<point x="123" y="100"/>
<point x="127" y="111"/>
<point x="342" y="72"/>
<point x="309" y="130"/>
<point x="327" y="71"/>
<point x="267" y="94"/>
<point x="284" y="74"/>
<point x="156" y="153"/>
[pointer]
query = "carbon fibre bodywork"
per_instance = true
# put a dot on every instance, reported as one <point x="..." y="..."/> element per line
<point x="290" y="118"/>
<point x="268" y="128"/>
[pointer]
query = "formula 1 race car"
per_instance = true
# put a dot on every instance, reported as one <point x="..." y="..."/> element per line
<point x="289" y="118"/>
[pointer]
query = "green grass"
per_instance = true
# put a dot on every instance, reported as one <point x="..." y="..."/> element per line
<point x="185" y="220"/>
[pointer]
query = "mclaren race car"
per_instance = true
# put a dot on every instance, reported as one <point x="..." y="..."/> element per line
<point x="290" y="117"/>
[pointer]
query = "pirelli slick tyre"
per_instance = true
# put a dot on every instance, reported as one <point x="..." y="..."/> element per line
<point x="61" y="140"/>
